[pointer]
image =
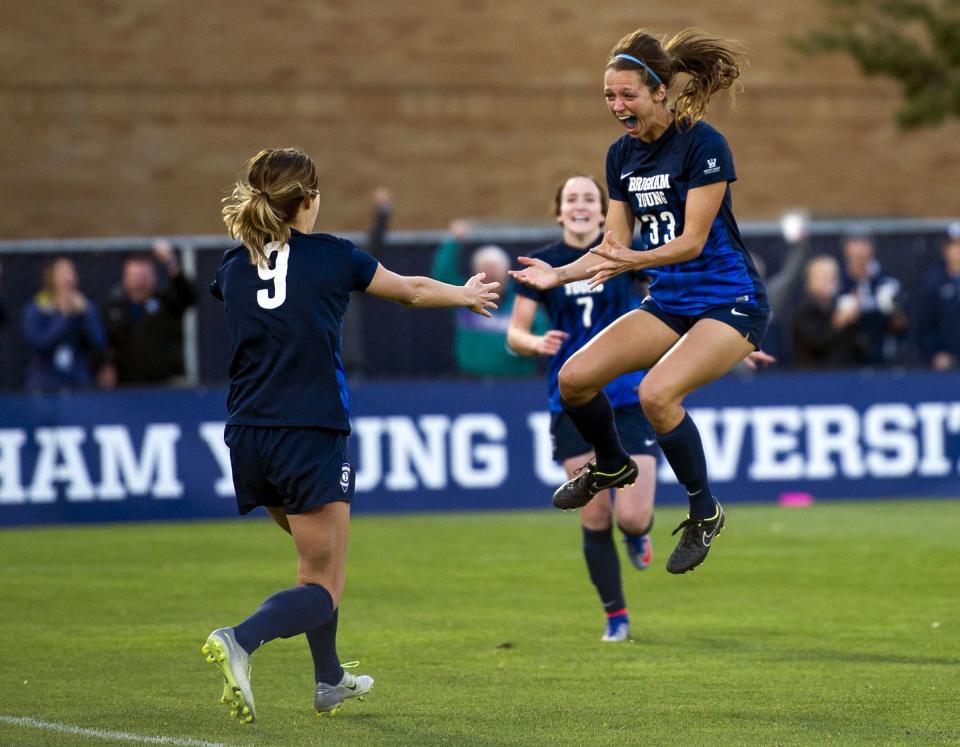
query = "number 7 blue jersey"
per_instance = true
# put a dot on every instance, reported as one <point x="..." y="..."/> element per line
<point x="583" y="313"/>
<point x="284" y="323"/>
<point x="654" y="178"/>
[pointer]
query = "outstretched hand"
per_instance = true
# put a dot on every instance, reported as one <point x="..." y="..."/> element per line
<point x="537" y="274"/>
<point x="481" y="296"/>
<point x="551" y="342"/>
<point x="758" y="359"/>
<point x="617" y="259"/>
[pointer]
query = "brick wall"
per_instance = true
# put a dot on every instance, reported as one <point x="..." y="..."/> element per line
<point x="131" y="116"/>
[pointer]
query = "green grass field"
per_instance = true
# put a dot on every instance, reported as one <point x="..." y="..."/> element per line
<point x="834" y="624"/>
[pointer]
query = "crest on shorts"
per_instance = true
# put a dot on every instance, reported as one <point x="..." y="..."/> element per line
<point x="345" y="476"/>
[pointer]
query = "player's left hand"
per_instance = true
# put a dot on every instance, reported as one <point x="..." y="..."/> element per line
<point x="758" y="359"/>
<point x="481" y="296"/>
<point x="618" y="259"/>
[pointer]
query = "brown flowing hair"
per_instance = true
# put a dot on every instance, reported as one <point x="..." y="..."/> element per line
<point x="710" y="64"/>
<point x="265" y="201"/>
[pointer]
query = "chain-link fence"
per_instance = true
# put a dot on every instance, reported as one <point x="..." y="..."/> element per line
<point x="386" y="340"/>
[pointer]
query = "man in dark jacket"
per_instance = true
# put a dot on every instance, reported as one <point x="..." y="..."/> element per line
<point x="145" y="323"/>
<point x="882" y="322"/>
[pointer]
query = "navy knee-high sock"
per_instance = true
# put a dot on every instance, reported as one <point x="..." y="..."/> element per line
<point x="684" y="451"/>
<point x="604" y="567"/>
<point x="595" y="422"/>
<point x="323" y="648"/>
<point x="285" y="614"/>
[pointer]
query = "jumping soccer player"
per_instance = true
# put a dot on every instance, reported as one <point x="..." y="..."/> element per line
<point x="285" y="291"/>
<point x="707" y="308"/>
<point x="577" y="315"/>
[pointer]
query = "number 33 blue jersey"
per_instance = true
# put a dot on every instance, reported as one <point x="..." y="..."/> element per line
<point x="654" y="178"/>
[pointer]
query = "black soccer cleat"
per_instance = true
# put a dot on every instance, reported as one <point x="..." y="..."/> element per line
<point x="579" y="490"/>
<point x="695" y="542"/>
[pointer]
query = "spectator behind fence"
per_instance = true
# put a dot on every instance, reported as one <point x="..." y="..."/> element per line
<point x="145" y="323"/>
<point x="879" y="298"/>
<point x="480" y="345"/>
<point x="825" y="326"/>
<point x="64" y="332"/>
<point x="939" y="318"/>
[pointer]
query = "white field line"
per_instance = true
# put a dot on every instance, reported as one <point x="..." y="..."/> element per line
<point x="117" y="736"/>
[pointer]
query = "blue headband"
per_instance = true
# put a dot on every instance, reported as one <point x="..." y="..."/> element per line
<point x="642" y="64"/>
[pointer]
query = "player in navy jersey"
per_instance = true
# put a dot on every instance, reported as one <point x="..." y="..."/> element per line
<point x="285" y="291"/>
<point x="577" y="315"/>
<point x="707" y="309"/>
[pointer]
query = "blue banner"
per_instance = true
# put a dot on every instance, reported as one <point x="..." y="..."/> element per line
<point x="159" y="454"/>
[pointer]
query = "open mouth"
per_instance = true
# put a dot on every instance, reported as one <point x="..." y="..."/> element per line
<point x="630" y="122"/>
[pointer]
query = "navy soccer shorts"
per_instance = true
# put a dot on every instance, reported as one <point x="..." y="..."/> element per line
<point x="749" y="320"/>
<point x="295" y="469"/>
<point x="636" y="434"/>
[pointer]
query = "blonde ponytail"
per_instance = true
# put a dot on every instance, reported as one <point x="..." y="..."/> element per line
<point x="262" y="205"/>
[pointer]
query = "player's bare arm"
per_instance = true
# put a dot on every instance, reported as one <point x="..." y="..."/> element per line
<point x="703" y="204"/>
<point x="423" y="292"/>
<point x="519" y="337"/>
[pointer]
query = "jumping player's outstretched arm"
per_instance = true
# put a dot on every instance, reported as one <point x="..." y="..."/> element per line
<point x="538" y="274"/>
<point x="703" y="204"/>
<point x="422" y="292"/>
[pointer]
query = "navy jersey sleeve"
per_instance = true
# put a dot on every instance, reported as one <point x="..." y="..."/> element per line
<point x="364" y="266"/>
<point x="527" y="292"/>
<point x="709" y="160"/>
<point x="215" y="290"/>
<point x="614" y="161"/>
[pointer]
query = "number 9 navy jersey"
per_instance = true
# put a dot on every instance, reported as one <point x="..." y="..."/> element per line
<point x="284" y="323"/>
<point x="654" y="178"/>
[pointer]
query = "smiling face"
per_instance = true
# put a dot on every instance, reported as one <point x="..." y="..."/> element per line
<point x="641" y="112"/>
<point x="580" y="210"/>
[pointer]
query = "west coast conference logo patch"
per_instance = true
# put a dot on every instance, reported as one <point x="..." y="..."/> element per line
<point x="345" y="476"/>
<point x="712" y="167"/>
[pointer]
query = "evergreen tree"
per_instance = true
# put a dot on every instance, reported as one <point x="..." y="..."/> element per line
<point x="914" y="42"/>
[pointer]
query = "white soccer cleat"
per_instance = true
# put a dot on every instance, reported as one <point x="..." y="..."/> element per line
<point x="327" y="698"/>
<point x="222" y="649"/>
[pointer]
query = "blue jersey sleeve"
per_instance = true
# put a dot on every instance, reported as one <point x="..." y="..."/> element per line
<point x="364" y="266"/>
<point x="527" y="292"/>
<point x="709" y="160"/>
<point x="614" y="162"/>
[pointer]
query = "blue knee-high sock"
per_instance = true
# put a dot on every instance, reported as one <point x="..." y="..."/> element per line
<point x="284" y="615"/>
<point x="684" y="451"/>
<point x="323" y="648"/>
<point x="595" y="422"/>
<point x="604" y="567"/>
